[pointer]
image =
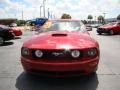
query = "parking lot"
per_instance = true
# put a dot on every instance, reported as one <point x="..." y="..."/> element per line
<point x="107" y="77"/>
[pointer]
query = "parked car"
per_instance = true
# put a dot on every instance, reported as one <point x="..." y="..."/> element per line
<point x="5" y="34"/>
<point x="37" y="23"/>
<point x="62" y="48"/>
<point x="17" y="31"/>
<point x="110" y="28"/>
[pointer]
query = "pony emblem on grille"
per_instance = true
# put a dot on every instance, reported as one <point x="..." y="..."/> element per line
<point x="57" y="53"/>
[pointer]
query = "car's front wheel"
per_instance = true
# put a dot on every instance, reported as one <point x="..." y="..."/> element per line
<point x="1" y="40"/>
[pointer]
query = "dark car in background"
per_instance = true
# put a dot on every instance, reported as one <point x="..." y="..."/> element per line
<point x="37" y="23"/>
<point x="17" y="31"/>
<point x="110" y="28"/>
<point x="5" y="34"/>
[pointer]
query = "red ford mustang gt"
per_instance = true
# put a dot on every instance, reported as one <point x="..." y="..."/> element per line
<point x="62" y="48"/>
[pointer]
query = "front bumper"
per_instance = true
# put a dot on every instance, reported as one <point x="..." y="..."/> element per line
<point x="101" y="30"/>
<point x="60" y="68"/>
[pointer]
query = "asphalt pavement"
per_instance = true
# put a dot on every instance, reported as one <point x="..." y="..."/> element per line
<point x="12" y="76"/>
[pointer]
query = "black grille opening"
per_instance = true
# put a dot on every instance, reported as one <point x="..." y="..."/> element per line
<point x="56" y="55"/>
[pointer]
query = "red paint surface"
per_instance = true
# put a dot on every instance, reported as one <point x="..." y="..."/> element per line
<point x="67" y="40"/>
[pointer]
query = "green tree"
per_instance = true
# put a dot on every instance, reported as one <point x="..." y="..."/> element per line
<point x="101" y="19"/>
<point x="90" y="17"/>
<point x="84" y="21"/>
<point x="20" y="22"/>
<point x="118" y="17"/>
<point x="66" y="16"/>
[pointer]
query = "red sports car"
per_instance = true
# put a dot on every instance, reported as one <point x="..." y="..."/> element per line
<point x="62" y="48"/>
<point x="17" y="31"/>
<point x="110" y="28"/>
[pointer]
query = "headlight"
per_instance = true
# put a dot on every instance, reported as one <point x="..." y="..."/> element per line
<point x="25" y="51"/>
<point x="75" y="53"/>
<point x="92" y="52"/>
<point x="38" y="53"/>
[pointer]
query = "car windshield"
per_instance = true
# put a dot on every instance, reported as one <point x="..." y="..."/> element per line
<point x="63" y="26"/>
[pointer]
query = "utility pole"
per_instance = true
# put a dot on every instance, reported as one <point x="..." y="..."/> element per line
<point x="51" y="15"/>
<point x="44" y="7"/>
<point x="22" y="15"/>
<point x="48" y="13"/>
<point x="40" y="10"/>
<point x="95" y="19"/>
<point x="104" y="17"/>
<point x="15" y="15"/>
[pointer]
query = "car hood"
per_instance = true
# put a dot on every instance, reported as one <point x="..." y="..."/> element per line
<point x="60" y="40"/>
<point x="106" y="26"/>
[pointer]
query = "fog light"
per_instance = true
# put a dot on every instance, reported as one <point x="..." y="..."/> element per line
<point x="92" y="52"/>
<point x="38" y="53"/>
<point x="75" y="53"/>
<point x="25" y="51"/>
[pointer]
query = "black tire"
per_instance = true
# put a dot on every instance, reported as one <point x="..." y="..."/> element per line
<point x="1" y="41"/>
<point x="111" y="32"/>
<point x="99" y="33"/>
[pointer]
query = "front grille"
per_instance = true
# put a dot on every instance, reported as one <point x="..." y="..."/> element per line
<point x="55" y="55"/>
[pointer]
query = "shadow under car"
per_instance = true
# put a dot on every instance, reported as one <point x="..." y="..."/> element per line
<point x="26" y="82"/>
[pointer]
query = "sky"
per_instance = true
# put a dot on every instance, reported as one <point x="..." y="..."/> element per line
<point x="78" y="9"/>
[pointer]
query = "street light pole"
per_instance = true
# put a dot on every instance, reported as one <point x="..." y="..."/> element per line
<point x="48" y="13"/>
<point x="22" y="14"/>
<point x="95" y="19"/>
<point x="104" y="17"/>
<point x="40" y="10"/>
<point x="44" y="7"/>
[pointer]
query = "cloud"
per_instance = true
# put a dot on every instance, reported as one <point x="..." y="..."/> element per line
<point x="79" y="9"/>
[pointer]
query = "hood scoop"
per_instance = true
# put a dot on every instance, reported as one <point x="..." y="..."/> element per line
<point x="59" y="35"/>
